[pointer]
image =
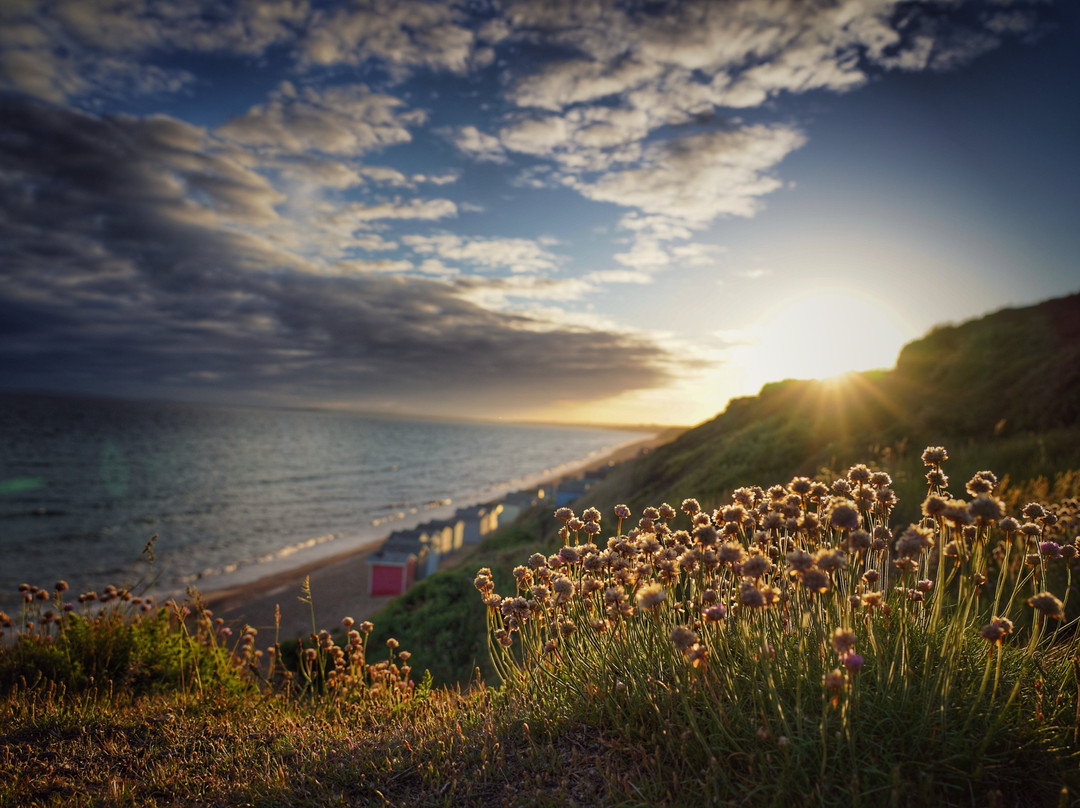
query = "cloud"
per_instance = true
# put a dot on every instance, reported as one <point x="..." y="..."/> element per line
<point x="345" y="120"/>
<point x="518" y="255"/>
<point x="402" y="34"/>
<point x="429" y="209"/>
<point x="473" y="143"/>
<point x="58" y="50"/>
<point x="138" y="261"/>
<point x="696" y="178"/>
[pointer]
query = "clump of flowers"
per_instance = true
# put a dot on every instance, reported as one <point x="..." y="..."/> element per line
<point x="808" y="579"/>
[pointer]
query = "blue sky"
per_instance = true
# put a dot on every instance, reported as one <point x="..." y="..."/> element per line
<point x="544" y="209"/>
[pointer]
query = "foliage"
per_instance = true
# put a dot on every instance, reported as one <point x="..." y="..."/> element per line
<point x="785" y="648"/>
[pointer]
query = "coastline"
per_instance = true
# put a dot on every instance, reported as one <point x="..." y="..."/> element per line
<point x="338" y="581"/>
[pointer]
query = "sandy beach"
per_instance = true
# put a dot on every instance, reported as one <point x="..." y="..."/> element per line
<point x="339" y="583"/>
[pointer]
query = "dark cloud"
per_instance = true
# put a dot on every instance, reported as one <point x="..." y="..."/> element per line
<point x="137" y="261"/>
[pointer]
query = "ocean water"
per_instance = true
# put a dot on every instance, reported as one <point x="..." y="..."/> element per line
<point x="234" y="493"/>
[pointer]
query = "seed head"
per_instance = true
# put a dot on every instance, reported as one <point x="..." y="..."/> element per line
<point x="683" y="638"/>
<point x="843" y="641"/>
<point x="714" y="614"/>
<point x="858" y="475"/>
<point x="936" y="478"/>
<point x="844" y="516"/>
<point x="1047" y="604"/>
<point x="833" y="680"/>
<point x="914" y="541"/>
<point x="690" y="506"/>
<point x="651" y="596"/>
<point x="1033" y="510"/>
<point x="880" y="479"/>
<point x="934" y="456"/>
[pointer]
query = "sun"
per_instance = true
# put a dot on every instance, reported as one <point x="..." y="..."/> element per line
<point x="823" y="334"/>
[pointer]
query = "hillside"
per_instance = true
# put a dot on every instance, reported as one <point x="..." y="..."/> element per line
<point x="1002" y="392"/>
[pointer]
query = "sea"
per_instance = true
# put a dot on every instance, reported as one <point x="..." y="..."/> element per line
<point x="236" y="493"/>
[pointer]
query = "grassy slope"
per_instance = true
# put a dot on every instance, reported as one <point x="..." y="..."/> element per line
<point x="1001" y="392"/>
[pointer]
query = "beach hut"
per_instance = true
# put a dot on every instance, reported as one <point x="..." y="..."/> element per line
<point x="417" y="542"/>
<point x="391" y="573"/>
<point x="442" y="534"/>
<point x="478" y="521"/>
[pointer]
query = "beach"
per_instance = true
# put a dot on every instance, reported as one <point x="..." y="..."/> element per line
<point x="339" y="583"/>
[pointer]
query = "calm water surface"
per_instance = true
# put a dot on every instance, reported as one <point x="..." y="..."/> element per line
<point x="85" y="483"/>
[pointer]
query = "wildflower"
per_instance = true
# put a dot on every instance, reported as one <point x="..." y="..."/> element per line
<point x="714" y="614"/>
<point x="844" y="516"/>
<point x="537" y="560"/>
<point x="800" y="486"/>
<point x="1047" y="604"/>
<point x="841" y="487"/>
<point x="934" y="456"/>
<point x="816" y="581"/>
<point x="843" y="641"/>
<point x="651" y="596"/>
<point x="1050" y="549"/>
<point x="592" y="528"/>
<point x="997" y="630"/>
<point x="925" y="585"/>
<point x="859" y="474"/>
<point x="731" y="553"/>
<point x="61" y="587"/>
<point x="310" y="654"/>
<point x="697" y="655"/>
<point x="880" y="479"/>
<point x="751" y="597"/>
<point x="859" y="540"/>
<point x="706" y="535"/>
<point x="690" y="506"/>
<point x="683" y="638"/>
<point x="1033" y="510"/>
<point x="570" y="555"/>
<point x="914" y="541"/>
<point x="934" y="506"/>
<point x="1030" y="529"/>
<point x="563" y="588"/>
<point x="483" y="582"/>
<point x="622" y="511"/>
<point x="575" y="524"/>
<point x="591" y="515"/>
<point x="755" y="566"/>
<point x="853" y="662"/>
<point x="986" y="509"/>
<point x="1009" y="524"/>
<point x="564" y="514"/>
<point x="977" y="486"/>
<point x="871" y="576"/>
<point x="833" y="680"/>
<point x="799" y="560"/>
<point x="666" y="511"/>
<point x="936" y="478"/>
<point x="829" y="561"/>
<point x="956" y="513"/>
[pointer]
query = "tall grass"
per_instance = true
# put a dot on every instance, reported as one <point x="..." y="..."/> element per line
<point x="788" y="647"/>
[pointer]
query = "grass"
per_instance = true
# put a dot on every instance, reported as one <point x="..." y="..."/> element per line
<point x="782" y="650"/>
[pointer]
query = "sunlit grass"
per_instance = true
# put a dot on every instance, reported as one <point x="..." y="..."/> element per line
<point x="790" y="647"/>
<point x="784" y="648"/>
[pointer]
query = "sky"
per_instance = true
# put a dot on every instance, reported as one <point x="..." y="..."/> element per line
<point x="567" y="210"/>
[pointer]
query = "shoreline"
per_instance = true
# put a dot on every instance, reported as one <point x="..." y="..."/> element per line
<point x="338" y="581"/>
